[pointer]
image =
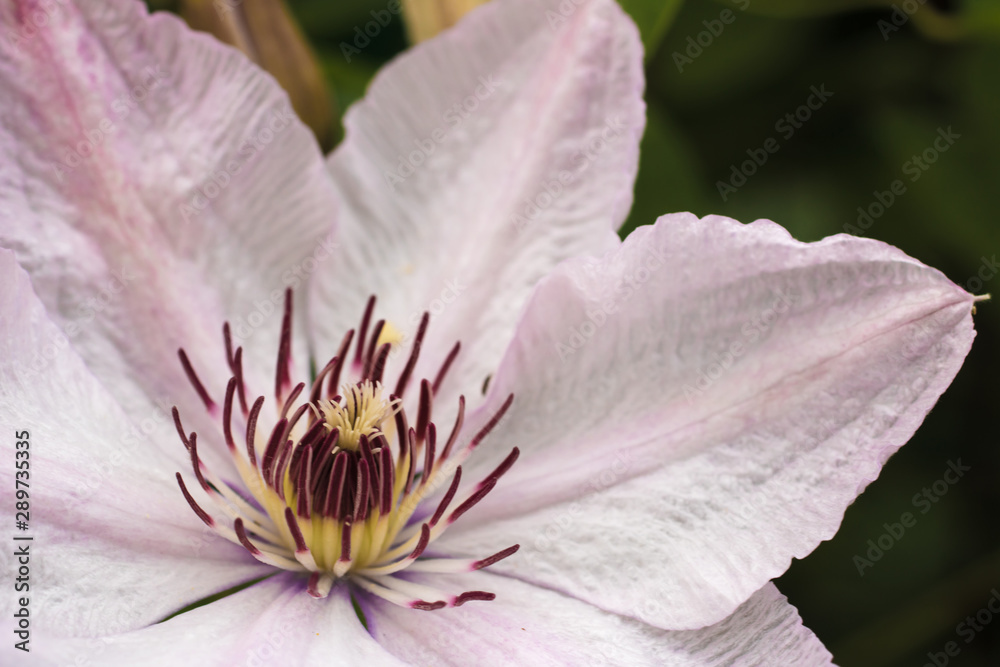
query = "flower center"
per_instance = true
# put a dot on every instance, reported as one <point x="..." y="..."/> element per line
<point x="334" y="486"/>
<point x="361" y="415"/>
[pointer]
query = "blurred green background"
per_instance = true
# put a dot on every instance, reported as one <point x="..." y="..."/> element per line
<point x="895" y="85"/>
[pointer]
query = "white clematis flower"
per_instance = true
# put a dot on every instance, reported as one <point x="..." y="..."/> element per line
<point x="688" y="409"/>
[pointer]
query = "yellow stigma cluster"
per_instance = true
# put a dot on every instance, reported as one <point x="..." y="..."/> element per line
<point x="365" y="412"/>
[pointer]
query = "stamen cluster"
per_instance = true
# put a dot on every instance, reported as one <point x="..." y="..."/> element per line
<point x="333" y="486"/>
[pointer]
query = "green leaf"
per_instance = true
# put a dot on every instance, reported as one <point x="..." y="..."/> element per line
<point x="348" y="82"/>
<point x="975" y="19"/>
<point x="670" y="177"/>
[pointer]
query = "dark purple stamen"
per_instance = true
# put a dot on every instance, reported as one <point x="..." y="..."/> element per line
<point x="369" y="357"/>
<point x="180" y="427"/>
<point x="196" y="462"/>
<point x="271" y="450"/>
<point x="495" y="558"/>
<point x="252" y="429"/>
<point x="404" y="377"/>
<point x="326" y="461"/>
<point x="503" y="467"/>
<point x="235" y="361"/>
<point x="281" y="460"/>
<point x="193" y="379"/>
<point x="474" y="595"/>
<point x="303" y="486"/>
<point x="472" y="501"/>
<point x="335" y="489"/>
<point x="428" y="606"/>
<point x="202" y="514"/>
<point x="227" y="415"/>
<point x="345" y="541"/>
<point x="429" y="454"/>
<point x="293" y="527"/>
<point x="411" y="469"/>
<point x="445" y="366"/>
<point x="241" y="387"/>
<point x="456" y="429"/>
<point x="378" y="366"/>
<point x="483" y="432"/>
<point x="313" y="586"/>
<point x="339" y="366"/>
<point x="282" y="375"/>
<point x="448" y="497"/>
<point x="361" y="493"/>
<point x="363" y="331"/>
<point x="241" y="535"/>
<point x="425" y="538"/>
<point x="290" y="401"/>
<point x="423" y="410"/>
<point x="388" y="479"/>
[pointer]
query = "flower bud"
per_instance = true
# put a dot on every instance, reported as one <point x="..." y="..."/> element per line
<point x="426" y="18"/>
<point x="267" y="33"/>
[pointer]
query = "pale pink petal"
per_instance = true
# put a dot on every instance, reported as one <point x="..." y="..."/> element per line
<point x="114" y="545"/>
<point x="274" y="622"/>
<point x="640" y="476"/>
<point x="553" y="97"/>
<point x="154" y="183"/>
<point x="527" y="625"/>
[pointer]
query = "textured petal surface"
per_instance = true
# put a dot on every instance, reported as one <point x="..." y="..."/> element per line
<point x="114" y="544"/>
<point x="477" y="161"/>
<point x="274" y="622"/>
<point x="527" y="625"/>
<point x="153" y="183"/>
<point x="703" y="404"/>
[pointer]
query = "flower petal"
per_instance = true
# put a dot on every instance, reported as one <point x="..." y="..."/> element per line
<point x="273" y="622"/>
<point x="518" y="107"/>
<point x="527" y="625"/>
<point x="154" y="183"/>
<point x="711" y="397"/>
<point x="94" y="495"/>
